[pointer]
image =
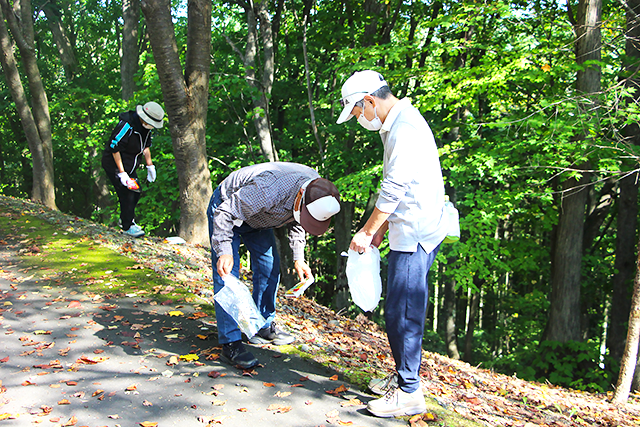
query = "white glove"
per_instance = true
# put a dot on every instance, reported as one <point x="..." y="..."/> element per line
<point x="126" y="180"/>
<point x="151" y="173"/>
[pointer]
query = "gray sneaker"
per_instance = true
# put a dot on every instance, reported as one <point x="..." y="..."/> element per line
<point x="271" y="335"/>
<point x="381" y="386"/>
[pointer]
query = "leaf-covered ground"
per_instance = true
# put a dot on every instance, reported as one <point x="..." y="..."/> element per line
<point x="357" y="348"/>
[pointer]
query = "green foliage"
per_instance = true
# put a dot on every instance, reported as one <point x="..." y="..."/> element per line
<point x="572" y="364"/>
<point x="495" y="81"/>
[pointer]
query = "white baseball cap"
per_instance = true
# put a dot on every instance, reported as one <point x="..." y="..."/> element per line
<point x="360" y="83"/>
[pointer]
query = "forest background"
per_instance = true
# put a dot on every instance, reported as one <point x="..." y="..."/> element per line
<point x="534" y="106"/>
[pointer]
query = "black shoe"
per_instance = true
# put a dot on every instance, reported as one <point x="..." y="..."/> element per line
<point x="271" y="335"/>
<point x="236" y="354"/>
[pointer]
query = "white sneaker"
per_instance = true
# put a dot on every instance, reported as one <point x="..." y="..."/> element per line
<point x="397" y="402"/>
<point x="135" y="231"/>
<point x="381" y="386"/>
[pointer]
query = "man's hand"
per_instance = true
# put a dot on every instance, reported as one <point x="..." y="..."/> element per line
<point x="303" y="270"/>
<point x="361" y="242"/>
<point x="224" y="265"/>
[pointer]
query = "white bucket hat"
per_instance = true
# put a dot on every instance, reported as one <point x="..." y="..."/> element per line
<point x="151" y="113"/>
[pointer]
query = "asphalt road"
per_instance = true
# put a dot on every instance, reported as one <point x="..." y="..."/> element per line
<point x="72" y="358"/>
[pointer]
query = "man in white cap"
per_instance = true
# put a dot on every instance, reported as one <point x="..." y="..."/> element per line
<point x="247" y="206"/>
<point x="128" y="145"/>
<point x="410" y="208"/>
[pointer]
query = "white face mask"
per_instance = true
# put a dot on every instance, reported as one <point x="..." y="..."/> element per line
<point x="375" y="124"/>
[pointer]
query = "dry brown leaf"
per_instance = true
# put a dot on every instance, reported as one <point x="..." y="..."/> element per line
<point x="268" y="384"/>
<point x="282" y="394"/>
<point x="334" y="378"/>
<point x="72" y="421"/>
<point x="277" y="408"/>
<point x="148" y="424"/>
<point x="64" y="402"/>
<point x="97" y="392"/>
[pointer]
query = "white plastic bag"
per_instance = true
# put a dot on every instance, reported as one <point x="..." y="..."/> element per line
<point x="237" y="301"/>
<point x="363" y="276"/>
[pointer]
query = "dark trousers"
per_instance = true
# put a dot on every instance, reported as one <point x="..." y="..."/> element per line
<point x="128" y="199"/>
<point x="405" y="312"/>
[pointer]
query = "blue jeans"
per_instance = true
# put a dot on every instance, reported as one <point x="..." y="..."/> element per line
<point x="405" y="312"/>
<point x="265" y="264"/>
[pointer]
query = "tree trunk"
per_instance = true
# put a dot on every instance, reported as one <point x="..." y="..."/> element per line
<point x="129" y="61"/>
<point x="61" y="39"/>
<point x="449" y="314"/>
<point x="627" y="208"/>
<point x="35" y="120"/>
<point x="342" y="233"/>
<point x="564" y="312"/>
<point x="631" y="348"/>
<point x="185" y="98"/>
<point x="258" y="15"/>
<point x="312" y="114"/>
<point x="474" y="304"/>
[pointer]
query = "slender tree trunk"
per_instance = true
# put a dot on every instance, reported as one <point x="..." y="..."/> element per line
<point x="61" y="39"/>
<point x="627" y="213"/>
<point x="185" y="98"/>
<point x="35" y="120"/>
<point x="342" y="233"/>
<point x="312" y="114"/>
<point x="631" y="348"/>
<point x="474" y="304"/>
<point x="564" y="312"/>
<point x="129" y="61"/>
<point x="258" y="17"/>
<point x="449" y="315"/>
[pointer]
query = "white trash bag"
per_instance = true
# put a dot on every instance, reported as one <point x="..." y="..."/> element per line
<point x="363" y="276"/>
<point x="237" y="301"/>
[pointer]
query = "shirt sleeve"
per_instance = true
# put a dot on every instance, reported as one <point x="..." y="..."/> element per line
<point x="237" y="208"/>
<point x="119" y="136"/>
<point x="401" y="165"/>
<point x="297" y="241"/>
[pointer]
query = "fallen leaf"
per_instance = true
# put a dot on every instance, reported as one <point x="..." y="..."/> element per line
<point x="351" y="402"/>
<point x="64" y="402"/>
<point x="42" y="332"/>
<point x="277" y="408"/>
<point x="334" y="378"/>
<point x="282" y="394"/>
<point x="132" y="388"/>
<point x="6" y="416"/>
<point x="97" y="392"/>
<point x="189" y="357"/>
<point x="4" y="359"/>
<point x="242" y="409"/>
<point x="146" y="403"/>
<point x="173" y="360"/>
<point x="72" y="421"/>
<point x="268" y="384"/>
<point x="114" y="416"/>
<point x="176" y="313"/>
<point x="219" y="402"/>
<point x="148" y="424"/>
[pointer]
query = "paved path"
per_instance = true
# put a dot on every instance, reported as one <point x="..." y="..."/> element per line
<point x="68" y="356"/>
